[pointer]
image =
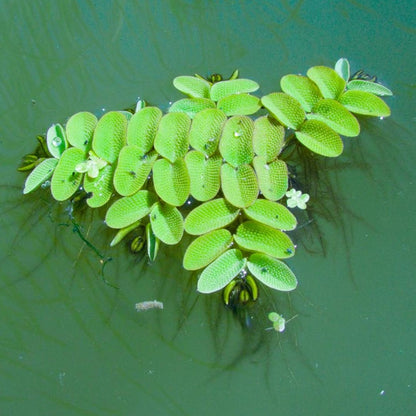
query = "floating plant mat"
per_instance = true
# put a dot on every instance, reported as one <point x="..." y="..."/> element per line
<point x="215" y="167"/>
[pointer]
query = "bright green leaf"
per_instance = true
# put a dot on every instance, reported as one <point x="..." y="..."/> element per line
<point x="239" y="104"/>
<point x="80" y="130"/>
<point x="167" y="223"/>
<point x="362" y="102"/>
<point x="219" y="273"/>
<point x="230" y="87"/>
<point x="268" y="137"/>
<point x="328" y="81"/>
<point x="191" y="106"/>
<point x="192" y="86"/>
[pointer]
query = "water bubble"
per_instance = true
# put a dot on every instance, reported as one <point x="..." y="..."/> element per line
<point x="266" y="166"/>
<point x="57" y="141"/>
<point x="237" y="134"/>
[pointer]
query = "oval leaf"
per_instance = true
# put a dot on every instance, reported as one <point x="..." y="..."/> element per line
<point x="206" y="248"/>
<point x="171" y="139"/>
<point x="336" y="116"/>
<point x="284" y="108"/>
<point x="272" y="272"/>
<point x="204" y="174"/>
<point x="192" y="86"/>
<point x="65" y="179"/>
<point x="80" y="130"/>
<point x="268" y="137"/>
<point x="236" y="141"/>
<point x="191" y="106"/>
<point x="206" y="130"/>
<point x="328" y="81"/>
<point x="368" y="86"/>
<point x="142" y="128"/>
<point x="302" y="89"/>
<point x="271" y="213"/>
<point x="132" y="170"/>
<point x="209" y="216"/>
<point x="254" y="236"/>
<point x="229" y="87"/>
<point x="361" y="102"/>
<point x="272" y="177"/>
<point x="239" y="104"/>
<point x="171" y="181"/>
<point x="320" y="138"/>
<point x="40" y="174"/>
<point x="110" y="136"/>
<point x="56" y="140"/>
<point x="129" y="209"/>
<point x="342" y="68"/>
<point x="167" y="223"/>
<point x="101" y="187"/>
<point x="239" y="185"/>
<point x="219" y="273"/>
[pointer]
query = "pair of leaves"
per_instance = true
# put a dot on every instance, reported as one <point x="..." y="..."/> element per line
<point x="271" y="272"/>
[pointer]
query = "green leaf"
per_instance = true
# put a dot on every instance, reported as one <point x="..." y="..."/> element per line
<point x="191" y="106"/>
<point x="204" y="174"/>
<point x="209" y="216"/>
<point x="167" y="223"/>
<point x="272" y="177"/>
<point x="361" y="102"/>
<point x="224" y="89"/>
<point x="206" y="248"/>
<point x="192" y="86"/>
<point x="286" y="109"/>
<point x="342" y="68"/>
<point x="101" y="187"/>
<point x="301" y="89"/>
<point x="206" y="130"/>
<point x="56" y="140"/>
<point x="336" y="116"/>
<point x="142" y="128"/>
<point x="129" y="209"/>
<point x="271" y="213"/>
<point x="272" y="272"/>
<point x="65" y="180"/>
<point x="219" y="273"/>
<point x="132" y="170"/>
<point x="152" y="243"/>
<point x="40" y="174"/>
<point x="268" y="137"/>
<point x="236" y="140"/>
<point x="172" y="136"/>
<point x="239" y="185"/>
<point x="368" y="86"/>
<point x="123" y="232"/>
<point x="254" y="236"/>
<point x="328" y="81"/>
<point x="320" y="138"/>
<point x="80" y="130"/>
<point x="239" y="104"/>
<point x="171" y="181"/>
<point x="110" y="136"/>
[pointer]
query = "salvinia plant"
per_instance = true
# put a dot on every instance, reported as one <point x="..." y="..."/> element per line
<point x="220" y="151"/>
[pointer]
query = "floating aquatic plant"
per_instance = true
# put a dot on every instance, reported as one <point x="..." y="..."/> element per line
<point x="211" y="152"/>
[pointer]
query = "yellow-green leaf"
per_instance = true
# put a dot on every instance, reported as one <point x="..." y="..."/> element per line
<point x="254" y="236"/>
<point x="192" y="86"/>
<point x="336" y="116"/>
<point x="320" y="138"/>
<point x="167" y="223"/>
<point x="239" y="104"/>
<point x="206" y="248"/>
<point x="229" y="87"/>
<point x="328" y="81"/>
<point x="272" y="272"/>
<point x="80" y="130"/>
<point x="172" y="136"/>
<point x="268" y="137"/>
<point x="271" y="213"/>
<point x="236" y="145"/>
<point x="209" y="216"/>
<point x="40" y="174"/>
<point x="220" y="272"/>
<point x="286" y="109"/>
<point x="101" y="187"/>
<point x="272" y="177"/>
<point x="239" y="185"/>
<point x="362" y="102"/>
<point x="171" y="181"/>
<point x="204" y="174"/>
<point x="191" y="106"/>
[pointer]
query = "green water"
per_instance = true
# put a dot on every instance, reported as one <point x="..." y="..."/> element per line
<point x="72" y="345"/>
